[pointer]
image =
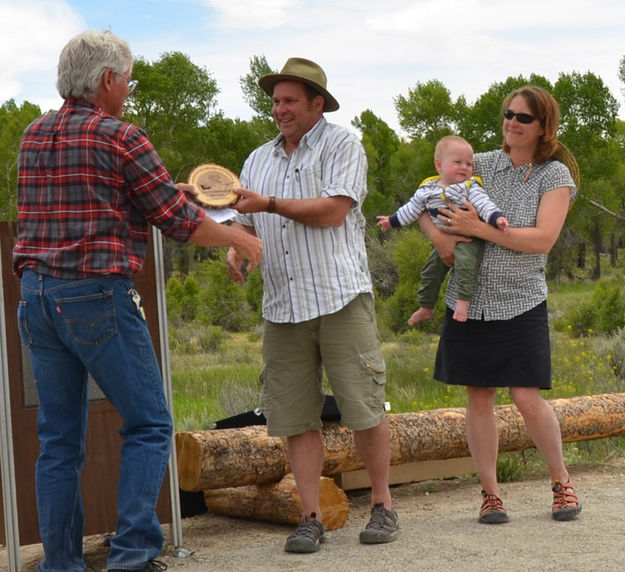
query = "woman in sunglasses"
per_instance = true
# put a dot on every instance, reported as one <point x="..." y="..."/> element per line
<point x="505" y="342"/>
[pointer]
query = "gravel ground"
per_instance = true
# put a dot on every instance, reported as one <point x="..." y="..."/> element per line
<point x="439" y="532"/>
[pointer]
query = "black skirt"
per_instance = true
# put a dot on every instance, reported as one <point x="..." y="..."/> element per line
<point x="499" y="353"/>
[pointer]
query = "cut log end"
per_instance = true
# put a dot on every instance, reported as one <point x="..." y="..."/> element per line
<point x="188" y="453"/>
<point x="224" y="458"/>
<point x="278" y="502"/>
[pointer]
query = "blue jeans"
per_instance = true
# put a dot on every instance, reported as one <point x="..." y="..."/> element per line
<point x="72" y="328"/>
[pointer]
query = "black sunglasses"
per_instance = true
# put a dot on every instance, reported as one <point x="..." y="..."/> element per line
<point x="520" y="117"/>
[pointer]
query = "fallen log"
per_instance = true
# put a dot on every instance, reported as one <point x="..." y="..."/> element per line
<point x="229" y="457"/>
<point x="278" y="502"/>
<point x="235" y="457"/>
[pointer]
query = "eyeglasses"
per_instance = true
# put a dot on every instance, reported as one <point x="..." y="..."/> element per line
<point x="132" y="83"/>
<point x="525" y="118"/>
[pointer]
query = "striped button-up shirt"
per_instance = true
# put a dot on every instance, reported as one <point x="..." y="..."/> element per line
<point x="308" y="271"/>
<point x="509" y="282"/>
<point x="88" y="185"/>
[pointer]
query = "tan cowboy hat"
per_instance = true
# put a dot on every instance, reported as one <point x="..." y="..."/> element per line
<point x="300" y="69"/>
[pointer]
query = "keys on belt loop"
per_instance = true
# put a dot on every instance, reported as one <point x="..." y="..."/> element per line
<point x="138" y="300"/>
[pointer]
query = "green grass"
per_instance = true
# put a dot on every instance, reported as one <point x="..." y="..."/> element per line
<point x="211" y="385"/>
<point x="564" y="297"/>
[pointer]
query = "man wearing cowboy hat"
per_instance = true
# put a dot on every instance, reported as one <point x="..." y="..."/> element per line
<point x="309" y="184"/>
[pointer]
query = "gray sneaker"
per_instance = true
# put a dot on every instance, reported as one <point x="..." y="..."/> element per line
<point x="307" y="536"/>
<point x="382" y="526"/>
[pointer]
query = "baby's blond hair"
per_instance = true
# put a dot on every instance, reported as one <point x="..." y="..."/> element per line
<point x="444" y="143"/>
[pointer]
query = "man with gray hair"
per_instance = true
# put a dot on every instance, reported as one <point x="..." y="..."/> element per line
<point x="89" y="185"/>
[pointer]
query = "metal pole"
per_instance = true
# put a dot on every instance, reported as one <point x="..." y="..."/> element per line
<point x="176" y="523"/>
<point x="9" y="494"/>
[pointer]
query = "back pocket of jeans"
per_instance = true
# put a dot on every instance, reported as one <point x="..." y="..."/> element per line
<point x="90" y="319"/>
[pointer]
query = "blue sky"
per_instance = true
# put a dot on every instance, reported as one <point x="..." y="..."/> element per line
<point x="372" y="51"/>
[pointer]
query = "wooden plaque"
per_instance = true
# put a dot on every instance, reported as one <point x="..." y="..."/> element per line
<point x="215" y="185"/>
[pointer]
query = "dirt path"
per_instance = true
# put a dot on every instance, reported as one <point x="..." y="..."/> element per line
<point x="439" y="532"/>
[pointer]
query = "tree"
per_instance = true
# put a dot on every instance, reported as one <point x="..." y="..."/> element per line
<point x="621" y="70"/>
<point x="230" y="141"/>
<point x="255" y="96"/>
<point x="183" y="298"/>
<point x="380" y="143"/>
<point x="171" y="93"/>
<point x="588" y="108"/>
<point x="413" y="162"/>
<point x="589" y="128"/>
<point x="222" y="301"/>
<point x="13" y="121"/>
<point x="428" y="111"/>
<point x="408" y="250"/>
<point x="174" y="99"/>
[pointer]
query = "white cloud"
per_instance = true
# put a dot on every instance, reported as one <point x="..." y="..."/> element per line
<point x="252" y="14"/>
<point x="32" y="35"/>
<point x="448" y="17"/>
<point x="372" y="51"/>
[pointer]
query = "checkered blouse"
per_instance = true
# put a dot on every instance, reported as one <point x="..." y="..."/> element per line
<point x="509" y="282"/>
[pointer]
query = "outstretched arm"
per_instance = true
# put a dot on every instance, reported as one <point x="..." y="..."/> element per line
<point x="246" y="245"/>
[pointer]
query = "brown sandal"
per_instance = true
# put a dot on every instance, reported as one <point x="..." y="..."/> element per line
<point x="492" y="511"/>
<point x="566" y="505"/>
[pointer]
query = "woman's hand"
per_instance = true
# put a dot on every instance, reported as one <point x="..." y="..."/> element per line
<point x="444" y="243"/>
<point x="460" y="221"/>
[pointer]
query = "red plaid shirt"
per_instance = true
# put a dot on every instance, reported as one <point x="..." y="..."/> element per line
<point x="88" y="185"/>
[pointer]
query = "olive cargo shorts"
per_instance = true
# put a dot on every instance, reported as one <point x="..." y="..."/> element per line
<point x="347" y="345"/>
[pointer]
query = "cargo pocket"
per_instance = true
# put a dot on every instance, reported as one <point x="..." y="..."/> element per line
<point x="373" y="364"/>
<point x="374" y="382"/>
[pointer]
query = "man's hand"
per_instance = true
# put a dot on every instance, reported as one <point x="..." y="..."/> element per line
<point x="246" y="246"/>
<point x="187" y="189"/>
<point x="250" y="202"/>
<point x="234" y="264"/>
<point x="249" y="247"/>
